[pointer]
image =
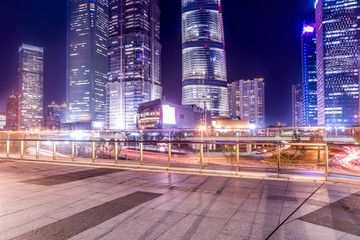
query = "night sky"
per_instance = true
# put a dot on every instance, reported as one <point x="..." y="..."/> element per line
<point x="262" y="40"/>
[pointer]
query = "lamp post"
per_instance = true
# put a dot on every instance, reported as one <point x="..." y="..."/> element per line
<point x="202" y="128"/>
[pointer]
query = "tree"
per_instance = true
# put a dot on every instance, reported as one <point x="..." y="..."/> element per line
<point x="229" y="152"/>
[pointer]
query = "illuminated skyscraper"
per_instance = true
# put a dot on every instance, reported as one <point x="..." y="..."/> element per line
<point x="86" y="59"/>
<point x="309" y="98"/>
<point x="31" y="79"/>
<point x="12" y="106"/>
<point x="204" y="61"/>
<point x="247" y="100"/>
<point x="338" y="40"/>
<point x="297" y="105"/>
<point x="134" y="60"/>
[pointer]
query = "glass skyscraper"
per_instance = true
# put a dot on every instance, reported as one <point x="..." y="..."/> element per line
<point x="337" y="39"/>
<point x="31" y="80"/>
<point x="204" y="62"/>
<point x="309" y="96"/>
<point x="134" y="60"/>
<point x="87" y="34"/>
<point x="247" y="100"/>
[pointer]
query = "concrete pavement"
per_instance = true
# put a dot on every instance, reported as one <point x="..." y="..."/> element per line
<point x="52" y="201"/>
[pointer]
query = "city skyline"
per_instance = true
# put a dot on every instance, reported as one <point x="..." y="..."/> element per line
<point x="247" y="61"/>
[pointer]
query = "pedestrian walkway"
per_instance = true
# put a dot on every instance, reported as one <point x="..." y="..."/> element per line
<point x="59" y="201"/>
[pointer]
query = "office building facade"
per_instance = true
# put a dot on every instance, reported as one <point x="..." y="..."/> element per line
<point x="337" y="40"/>
<point x="134" y="61"/>
<point x="31" y="79"/>
<point x="87" y="34"/>
<point x="204" y="77"/>
<point x="297" y="105"/>
<point x="309" y="97"/>
<point x="247" y="100"/>
<point x="12" y="106"/>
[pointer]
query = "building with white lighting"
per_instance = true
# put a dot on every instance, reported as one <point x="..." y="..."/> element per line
<point x="134" y="60"/>
<point x="247" y="100"/>
<point x="161" y="114"/>
<point x="204" y="77"/>
<point x="31" y="80"/>
<point x="87" y="35"/>
<point x="338" y="61"/>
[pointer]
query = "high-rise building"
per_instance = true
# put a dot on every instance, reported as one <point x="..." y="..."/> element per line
<point x="247" y="100"/>
<point x="338" y="41"/>
<point x="2" y="120"/>
<point x="134" y="60"/>
<point x="204" y="78"/>
<point x="87" y="34"/>
<point x="12" y="112"/>
<point x="53" y="118"/>
<point x="31" y="79"/>
<point x="63" y="110"/>
<point x="309" y="98"/>
<point x="297" y="105"/>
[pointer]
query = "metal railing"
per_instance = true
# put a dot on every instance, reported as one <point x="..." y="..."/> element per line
<point x="309" y="160"/>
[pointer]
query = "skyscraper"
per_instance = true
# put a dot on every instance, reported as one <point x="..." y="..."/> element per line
<point x="134" y="60"/>
<point x="204" y="78"/>
<point x="53" y="118"/>
<point x="12" y="106"/>
<point x="87" y="34"/>
<point x="309" y="98"/>
<point x="247" y="100"/>
<point x="31" y="79"/>
<point x="338" y="40"/>
<point x="297" y="107"/>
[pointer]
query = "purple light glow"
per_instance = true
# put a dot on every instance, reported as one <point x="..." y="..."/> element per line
<point x="309" y="29"/>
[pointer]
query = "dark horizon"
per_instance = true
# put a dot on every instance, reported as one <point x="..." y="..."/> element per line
<point x="262" y="40"/>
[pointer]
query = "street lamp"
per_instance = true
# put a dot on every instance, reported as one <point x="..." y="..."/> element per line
<point x="202" y="128"/>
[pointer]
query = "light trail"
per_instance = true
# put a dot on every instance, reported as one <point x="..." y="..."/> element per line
<point x="349" y="159"/>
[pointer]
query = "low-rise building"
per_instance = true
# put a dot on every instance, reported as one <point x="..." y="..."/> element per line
<point x="161" y="114"/>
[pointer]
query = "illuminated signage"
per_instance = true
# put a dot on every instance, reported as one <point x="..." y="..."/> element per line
<point x="308" y="29"/>
<point x="168" y="115"/>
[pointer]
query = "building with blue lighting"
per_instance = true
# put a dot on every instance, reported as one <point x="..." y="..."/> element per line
<point x="134" y="61"/>
<point x="309" y="94"/>
<point x="204" y="77"/>
<point x="87" y="34"/>
<point x="338" y="41"/>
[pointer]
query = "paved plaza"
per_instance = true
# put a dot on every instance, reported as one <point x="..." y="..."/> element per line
<point x="53" y="201"/>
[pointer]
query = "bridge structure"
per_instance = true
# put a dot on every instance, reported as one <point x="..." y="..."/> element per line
<point x="290" y="153"/>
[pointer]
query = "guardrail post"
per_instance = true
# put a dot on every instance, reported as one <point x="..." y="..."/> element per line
<point x="7" y="148"/>
<point x="237" y="157"/>
<point x="169" y="155"/>
<point x="279" y="159"/>
<point x="22" y="149"/>
<point x="201" y="155"/>
<point x="37" y="149"/>
<point x="93" y="152"/>
<point x="141" y="154"/>
<point x="54" y="150"/>
<point x="116" y="152"/>
<point x="327" y="162"/>
<point x="72" y="151"/>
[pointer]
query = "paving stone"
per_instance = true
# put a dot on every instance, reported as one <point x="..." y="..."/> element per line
<point x="195" y="227"/>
